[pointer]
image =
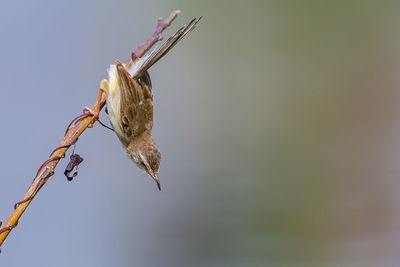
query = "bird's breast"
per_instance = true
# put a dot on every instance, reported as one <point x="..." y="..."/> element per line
<point x="114" y="103"/>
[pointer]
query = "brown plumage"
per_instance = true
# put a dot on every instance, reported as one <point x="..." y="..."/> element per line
<point x="130" y="104"/>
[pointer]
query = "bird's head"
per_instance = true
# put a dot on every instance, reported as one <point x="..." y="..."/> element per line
<point x="144" y="152"/>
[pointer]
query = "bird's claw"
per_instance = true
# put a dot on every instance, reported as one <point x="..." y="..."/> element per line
<point x="94" y="114"/>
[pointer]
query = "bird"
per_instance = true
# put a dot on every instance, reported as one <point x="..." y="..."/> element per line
<point x="129" y="100"/>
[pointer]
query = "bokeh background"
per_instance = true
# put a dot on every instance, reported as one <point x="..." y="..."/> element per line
<point x="278" y="123"/>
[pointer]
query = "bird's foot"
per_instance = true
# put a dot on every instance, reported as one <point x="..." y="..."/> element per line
<point x="94" y="114"/>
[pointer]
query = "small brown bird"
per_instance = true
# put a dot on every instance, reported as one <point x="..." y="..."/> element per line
<point x="130" y="104"/>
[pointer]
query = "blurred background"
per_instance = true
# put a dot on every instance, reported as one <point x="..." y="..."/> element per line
<point x="277" y="121"/>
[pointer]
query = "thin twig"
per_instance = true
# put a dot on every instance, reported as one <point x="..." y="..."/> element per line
<point x="155" y="37"/>
<point x="74" y="130"/>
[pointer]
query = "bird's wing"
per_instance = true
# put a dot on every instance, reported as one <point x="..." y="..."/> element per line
<point x="150" y="58"/>
<point x="136" y="106"/>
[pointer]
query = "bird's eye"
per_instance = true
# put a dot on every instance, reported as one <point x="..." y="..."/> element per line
<point x="139" y="81"/>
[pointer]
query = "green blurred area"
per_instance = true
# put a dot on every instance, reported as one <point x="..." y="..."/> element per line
<point x="300" y="126"/>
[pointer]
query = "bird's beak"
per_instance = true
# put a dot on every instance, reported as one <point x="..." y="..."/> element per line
<point x="155" y="178"/>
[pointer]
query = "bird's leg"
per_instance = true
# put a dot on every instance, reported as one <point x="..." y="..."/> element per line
<point x="96" y="111"/>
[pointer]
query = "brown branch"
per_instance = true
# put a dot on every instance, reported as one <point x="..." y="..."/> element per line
<point x="45" y="171"/>
<point x="74" y="130"/>
<point x="155" y="37"/>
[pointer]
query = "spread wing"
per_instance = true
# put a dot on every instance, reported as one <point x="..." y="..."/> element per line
<point x="136" y="108"/>
<point x="150" y="58"/>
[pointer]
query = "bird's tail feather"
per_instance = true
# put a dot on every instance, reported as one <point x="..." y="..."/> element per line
<point x="151" y="57"/>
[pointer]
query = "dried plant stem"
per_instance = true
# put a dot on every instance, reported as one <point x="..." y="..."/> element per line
<point x="45" y="172"/>
<point x="156" y="36"/>
<point x="72" y="134"/>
